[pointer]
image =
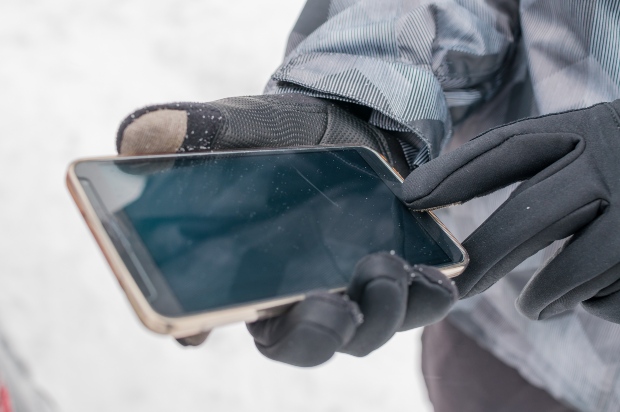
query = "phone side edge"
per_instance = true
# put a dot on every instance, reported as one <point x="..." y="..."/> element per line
<point x="450" y="271"/>
<point x="456" y="269"/>
<point x="147" y="316"/>
<point x="178" y="327"/>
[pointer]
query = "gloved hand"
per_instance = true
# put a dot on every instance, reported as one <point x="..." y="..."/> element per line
<point x="386" y="295"/>
<point x="569" y="165"/>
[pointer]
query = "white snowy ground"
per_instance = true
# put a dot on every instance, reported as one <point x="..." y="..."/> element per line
<point x="70" y="70"/>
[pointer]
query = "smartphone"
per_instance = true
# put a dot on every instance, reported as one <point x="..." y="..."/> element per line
<point x="201" y="240"/>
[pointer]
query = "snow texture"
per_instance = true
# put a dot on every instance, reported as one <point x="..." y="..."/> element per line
<point x="69" y="72"/>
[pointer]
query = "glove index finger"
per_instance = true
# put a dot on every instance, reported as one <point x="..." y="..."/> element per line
<point x="379" y="286"/>
<point x="485" y="164"/>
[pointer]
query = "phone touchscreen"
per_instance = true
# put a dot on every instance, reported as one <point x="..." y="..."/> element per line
<point x="207" y="232"/>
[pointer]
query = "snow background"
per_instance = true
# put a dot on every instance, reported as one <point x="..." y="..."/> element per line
<point x="69" y="72"/>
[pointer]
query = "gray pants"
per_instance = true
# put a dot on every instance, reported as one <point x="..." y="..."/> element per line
<point x="461" y="376"/>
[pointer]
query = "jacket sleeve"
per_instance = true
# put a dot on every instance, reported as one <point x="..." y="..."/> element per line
<point x="416" y="64"/>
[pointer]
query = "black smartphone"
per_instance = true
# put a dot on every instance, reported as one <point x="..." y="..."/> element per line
<point x="199" y="240"/>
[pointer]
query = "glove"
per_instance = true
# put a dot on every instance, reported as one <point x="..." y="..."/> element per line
<point x="569" y="165"/>
<point x="267" y="121"/>
<point x="385" y="295"/>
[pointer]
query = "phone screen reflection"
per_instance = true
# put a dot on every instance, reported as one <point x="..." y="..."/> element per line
<point x="233" y="229"/>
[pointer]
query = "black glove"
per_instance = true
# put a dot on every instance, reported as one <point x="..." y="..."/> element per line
<point x="266" y="121"/>
<point x="385" y="294"/>
<point x="569" y="164"/>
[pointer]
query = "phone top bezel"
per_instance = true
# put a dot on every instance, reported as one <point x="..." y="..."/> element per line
<point x="191" y="324"/>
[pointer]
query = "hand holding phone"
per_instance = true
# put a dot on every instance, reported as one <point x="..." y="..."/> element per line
<point x="384" y="295"/>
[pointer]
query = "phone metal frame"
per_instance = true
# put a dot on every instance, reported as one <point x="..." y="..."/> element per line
<point x="189" y="325"/>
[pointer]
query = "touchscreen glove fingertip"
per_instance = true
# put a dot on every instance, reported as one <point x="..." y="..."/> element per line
<point x="152" y="130"/>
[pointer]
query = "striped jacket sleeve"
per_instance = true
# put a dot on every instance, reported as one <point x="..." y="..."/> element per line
<point x="417" y="64"/>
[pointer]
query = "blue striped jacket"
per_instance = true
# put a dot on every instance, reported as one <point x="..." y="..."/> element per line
<point x="445" y="71"/>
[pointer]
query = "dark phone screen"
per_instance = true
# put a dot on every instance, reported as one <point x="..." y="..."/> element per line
<point x="232" y="229"/>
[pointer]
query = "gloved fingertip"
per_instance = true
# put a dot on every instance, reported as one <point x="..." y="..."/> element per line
<point x="152" y="132"/>
<point x="194" y="340"/>
<point x="435" y="276"/>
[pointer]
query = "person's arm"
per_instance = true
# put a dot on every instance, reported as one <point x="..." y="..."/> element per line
<point x="417" y="65"/>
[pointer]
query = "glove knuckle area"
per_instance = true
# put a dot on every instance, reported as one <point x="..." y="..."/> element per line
<point x="310" y="332"/>
<point x="598" y="292"/>
<point x="605" y="307"/>
<point x="582" y="270"/>
<point x="430" y="297"/>
<point x="379" y="287"/>
<point x="377" y="266"/>
<point x="383" y="307"/>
